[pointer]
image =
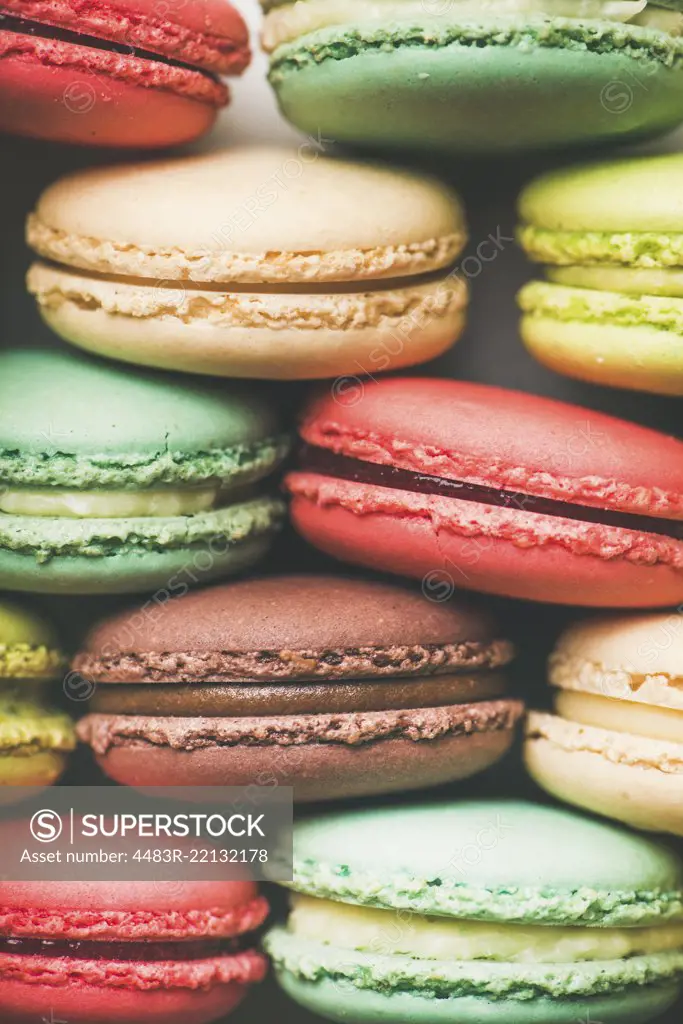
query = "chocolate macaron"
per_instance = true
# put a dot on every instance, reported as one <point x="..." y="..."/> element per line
<point x="338" y="687"/>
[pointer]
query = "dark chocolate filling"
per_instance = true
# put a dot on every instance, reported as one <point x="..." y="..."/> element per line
<point x="216" y="700"/>
<point x="321" y="460"/>
<point x="11" y="23"/>
<point x="141" y="952"/>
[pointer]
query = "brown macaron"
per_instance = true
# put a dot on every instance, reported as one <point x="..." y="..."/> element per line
<point x="338" y="687"/>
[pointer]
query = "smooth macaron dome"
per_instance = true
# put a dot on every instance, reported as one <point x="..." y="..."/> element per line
<point x="128" y="951"/>
<point x="338" y="687"/>
<point x="128" y="73"/>
<point x="258" y="262"/>
<point x="478" y="487"/>
<point x="476" y="76"/>
<point x="112" y="482"/>
<point x="611" y="237"/>
<point x="498" y="910"/>
<point x="34" y="739"/>
<point x="615" y="742"/>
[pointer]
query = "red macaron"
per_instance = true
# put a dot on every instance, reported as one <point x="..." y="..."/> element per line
<point x="121" y="73"/>
<point x="493" y="490"/>
<point x="124" y="952"/>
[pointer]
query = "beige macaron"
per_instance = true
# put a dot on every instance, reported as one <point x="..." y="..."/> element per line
<point x="615" y="743"/>
<point x="255" y="262"/>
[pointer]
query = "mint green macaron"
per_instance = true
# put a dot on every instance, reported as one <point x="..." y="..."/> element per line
<point x="611" y="238"/>
<point x="498" y="911"/>
<point x="476" y="76"/>
<point x="114" y="481"/>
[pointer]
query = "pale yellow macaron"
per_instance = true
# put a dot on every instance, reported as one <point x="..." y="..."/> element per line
<point x="257" y="262"/>
<point x="615" y="743"/>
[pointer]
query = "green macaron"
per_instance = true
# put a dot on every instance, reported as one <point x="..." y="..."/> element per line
<point x="34" y="739"/>
<point x="611" y="237"/>
<point x="498" y="911"/>
<point x="113" y="482"/>
<point x="476" y="76"/>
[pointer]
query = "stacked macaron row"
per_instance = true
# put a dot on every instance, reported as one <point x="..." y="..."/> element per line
<point x="35" y="739"/>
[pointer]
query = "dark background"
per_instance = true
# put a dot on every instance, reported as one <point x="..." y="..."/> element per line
<point x="490" y="351"/>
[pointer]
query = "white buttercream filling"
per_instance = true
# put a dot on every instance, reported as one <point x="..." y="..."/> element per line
<point x="59" y="502"/>
<point x="622" y="716"/>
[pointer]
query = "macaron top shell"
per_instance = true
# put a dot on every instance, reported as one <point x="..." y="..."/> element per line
<point x="29" y="648"/>
<point x="210" y="34"/>
<point x="643" y="194"/>
<point x="504" y="439"/>
<point x="72" y="421"/>
<point x="294" y="627"/>
<point x="506" y="861"/>
<point x="250" y="215"/>
<point x="627" y="657"/>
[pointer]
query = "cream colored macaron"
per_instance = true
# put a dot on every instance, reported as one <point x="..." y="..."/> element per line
<point x="257" y="262"/>
<point x="615" y="743"/>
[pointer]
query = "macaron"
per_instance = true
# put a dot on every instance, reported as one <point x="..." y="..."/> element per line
<point x="126" y="952"/>
<point x="34" y="739"/>
<point x="498" y="911"/>
<point x="615" y="742"/>
<point x="115" y="482"/>
<point x="337" y="687"/>
<point x="611" y="237"/>
<point x="478" y="487"/>
<point x="257" y="262"/>
<point x="120" y="73"/>
<point x="476" y="76"/>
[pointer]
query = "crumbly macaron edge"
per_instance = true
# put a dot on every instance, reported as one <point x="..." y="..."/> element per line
<point x="574" y="672"/>
<point x="313" y="961"/>
<point x="21" y="661"/>
<point x="105" y="257"/>
<point x="616" y="747"/>
<point x="45" y="538"/>
<point x="238" y="464"/>
<point x="27" y="729"/>
<point x="341" y="42"/>
<point x="585" y="305"/>
<point x="640" y="249"/>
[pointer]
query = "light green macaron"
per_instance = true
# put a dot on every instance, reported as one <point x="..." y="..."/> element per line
<point x="476" y="76"/>
<point x="114" y="481"/>
<point x="611" y="238"/>
<point x="502" y="912"/>
<point x="34" y="739"/>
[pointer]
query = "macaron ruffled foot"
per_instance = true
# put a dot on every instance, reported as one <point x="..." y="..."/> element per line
<point x="116" y="483"/>
<point x="615" y="742"/>
<point x="479" y="911"/>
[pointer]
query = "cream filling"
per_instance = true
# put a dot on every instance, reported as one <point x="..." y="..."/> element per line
<point x="400" y="933"/>
<point x="285" y="23"/>
<point x="627" y="280"/>
<point x="622" y="716"/>
<point x="58" y="502"/>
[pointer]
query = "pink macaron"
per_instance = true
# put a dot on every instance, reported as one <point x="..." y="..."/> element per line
<point x="471" y="486"/>
<point x="120" y="73"/>
<point x="125" y="952"/>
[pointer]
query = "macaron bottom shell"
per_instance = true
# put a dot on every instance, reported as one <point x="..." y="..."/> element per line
<point x="83" y="105"/>
<point x="79" y="1003"/>
<point x="416" y="86"/>
<point x="39" y="769"/>
<point x="339" y="1000"/>
<point x="633" y="779"/>
<point x="271" y="335"/>
<point x="215" y="544"/>
<point x="474" y="558"/>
